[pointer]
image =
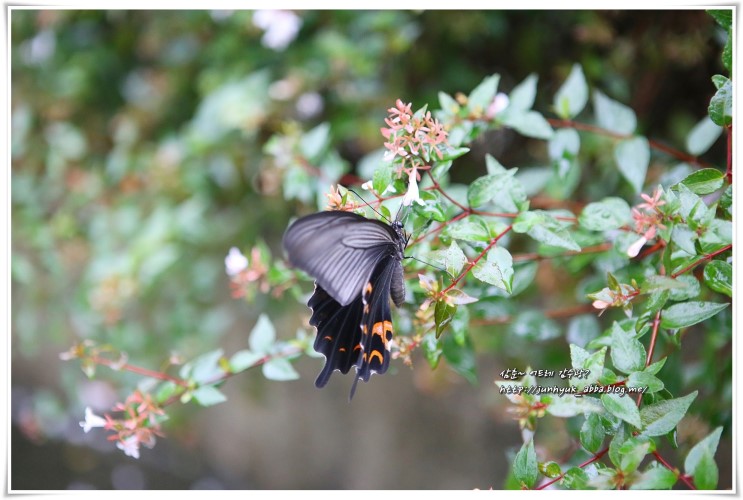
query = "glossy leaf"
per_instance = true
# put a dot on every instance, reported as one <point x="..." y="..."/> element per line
<point x="721" y="105"/>
<point x="572" y="96"/>
<point x="718" y="275"/>
<point x="704" y="181"/>
<point x="661" y="417"/>
<point x="627" y="353"/>
<point x="623" y="407"/>
<point x="208" y="396"/>
<point x="279" y="369"/>
<point x="702" y="136"/>
<point x="525" y="465"/>
<point x="633" y="157"/>
<point x="689" y="313"/>
<point x="609" y="213"/>
<point x="613" y="115"/>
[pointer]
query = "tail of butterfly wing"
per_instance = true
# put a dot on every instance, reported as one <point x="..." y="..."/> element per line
<point x="338" y="333"/>
<point x="376" y="324"/>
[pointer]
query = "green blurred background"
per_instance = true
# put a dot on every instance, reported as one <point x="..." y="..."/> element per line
<point x="138" y="161"/>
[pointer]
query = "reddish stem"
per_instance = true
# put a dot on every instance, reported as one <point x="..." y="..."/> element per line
<point x="114" y="365"/>
<point x="709" y="256"/>
<point x="472" y="264"/>
<point x="686" y="479"/>
<point x="591" y="460"/>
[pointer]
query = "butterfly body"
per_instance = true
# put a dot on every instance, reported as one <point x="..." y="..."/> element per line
<point x="357" y="266"/>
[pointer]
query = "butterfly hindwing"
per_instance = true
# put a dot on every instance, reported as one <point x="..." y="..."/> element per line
<point x="338" y="333"/>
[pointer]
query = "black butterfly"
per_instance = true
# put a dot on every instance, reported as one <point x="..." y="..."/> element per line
<point x="357" y="266"/>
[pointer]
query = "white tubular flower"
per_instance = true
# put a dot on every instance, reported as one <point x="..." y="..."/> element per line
<point x="91" y="420"/>
<point x="130" y="446"/>
<point x="635" y="247"/>
<point x="235" y="262"/>
<point x="413" y="193"/>
<point x="280" y="27"/>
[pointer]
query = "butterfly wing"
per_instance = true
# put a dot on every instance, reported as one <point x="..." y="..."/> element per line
<point x="340" y="250"/>
<point x="376" y="322"/>
<point x="338" y="333"/>
<point x="358" y="334"/>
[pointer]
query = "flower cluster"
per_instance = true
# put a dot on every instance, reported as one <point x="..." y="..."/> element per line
<point x="338" y="201"/>
<point x="411" y="138"/>
<point x="139" y="425"/>
<point x="648" y="219"/>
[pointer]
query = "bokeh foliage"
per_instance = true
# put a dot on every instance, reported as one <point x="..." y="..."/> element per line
<point x="146" y="144"/>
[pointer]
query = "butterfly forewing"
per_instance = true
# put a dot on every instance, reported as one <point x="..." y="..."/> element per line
<point x="339" y="249"/>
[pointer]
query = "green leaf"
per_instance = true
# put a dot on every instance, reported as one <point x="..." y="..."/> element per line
<point x="704" y="181"/>
<point x="447" y="103"/>
<point x="718" y="276"/>
<point x="633" y="157"/>
<point x="572" y="96"/>
<point x="204" y="368"/>
<point x="529" y="124"/>
<point x="567" y="405"/>
<point x="612" y="115"/>
<point x="718" y="234"/>
<point x="315" y="142"/>
<point x="662" y="417"/>
<point x="443" y="314"/>
<point x="655" y="477"/>
<point x="279" y="369"/>
<point x="702" y="137"/>
<point x="724" y="17"/>
<point x="470" y="229"/>
<point x="690" y="313"/>
<point x="544" y="228"/>
<point x="460" y="356"/>
<point x="583" y="360"/>
<point x="482" y="95"/>
<point x="263" y="335"/>
<point x="708" y="447"/>
<point x="525" y="465"/>
<point x="382" y="177"/>
<point x="684" y="238"/>
<point x="564" y="144"/>
<point x="706" y="473"/>
<point x="645" y="379"/>
<point x="431" y="350"/>
<point x="522" y="96"/>
<point x="592" y="433"/>
<point x="690" y="290"/>
<point x="654" y="368"/>
<point x="627" y="353"/>
<point x="632" y="451"/>
<point x="208" y="396"/>
<point x="609" y="213"/>
<point x="623" y="407"/>
<point x="452" y="258"/>
<point x="721" y="105"/>
<point x="575" y="479"/>
<point x="533" y="325"/>
<point x="550" y="469"/>
<point x="242" y="360"/>
<point x="496" y="269"/>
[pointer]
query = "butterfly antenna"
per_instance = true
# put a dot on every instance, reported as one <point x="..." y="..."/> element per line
<point x="370" y="206"/>
<point x="429" y="264"/>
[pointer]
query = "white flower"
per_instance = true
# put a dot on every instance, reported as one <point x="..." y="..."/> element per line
<point x="635" y="247"/>
<point x="368" y="185"/>
<point x="280" y="27"/>
<point x="309" y="104"/>
<point x="235" y="262"/>
<point x="130" y="446"/>
<point x="412" y="194"/>
<point x="91" y="420"/>
<point x="500" y="102"/>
